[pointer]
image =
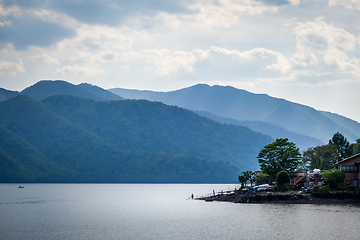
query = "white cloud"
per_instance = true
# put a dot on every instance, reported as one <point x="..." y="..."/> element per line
<point x="10" y="10"/>
<point x="225" y="13"/>
<point x="165" y="62"/>
<point x="5" y="23"/>
<point x="11" y="67"/>
<point x="55" y="17"/>
<point x="324" y="47"/>
<point x="43" y="57"/>
<point x="108" y="56"/>
<point x="80" y="71"/>
<point x="351" y="4"/>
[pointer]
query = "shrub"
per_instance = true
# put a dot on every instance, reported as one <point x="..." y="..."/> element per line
<point x="316" y="188"/>
<point x="282" y="178"/>
<point x="321" y="189"/>
<point x="325" y="189"/>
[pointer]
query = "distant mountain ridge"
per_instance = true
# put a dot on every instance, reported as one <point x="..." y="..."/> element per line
<point x="7" y="94"/>
<point x="274" y="131"/>
<point x="224" y="102"/>
<point x="46" y="88"/>
<point x="238" y="104"/>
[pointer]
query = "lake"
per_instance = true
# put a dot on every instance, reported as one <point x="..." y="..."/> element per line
<point x="160" y="211"/>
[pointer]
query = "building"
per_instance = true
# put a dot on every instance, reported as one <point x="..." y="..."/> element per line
<point x="351" y="169"/>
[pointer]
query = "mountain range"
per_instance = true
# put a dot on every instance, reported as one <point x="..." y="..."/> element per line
<point x="65" y="138"/>
<point x="240" y="105"/>
<point x="55" y="131"/>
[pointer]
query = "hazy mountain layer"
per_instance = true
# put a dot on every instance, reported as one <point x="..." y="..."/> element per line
<point x="239" y="104"/>
<point x="274" y="131"/>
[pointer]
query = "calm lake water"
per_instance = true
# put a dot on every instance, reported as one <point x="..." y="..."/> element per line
<point x="160" y="211"/>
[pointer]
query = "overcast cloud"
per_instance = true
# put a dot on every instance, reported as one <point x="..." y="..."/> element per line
<point x="306" y="51"/>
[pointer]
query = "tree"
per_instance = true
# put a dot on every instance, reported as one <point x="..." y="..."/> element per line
<point x="251" y="177"/>
<point x="279" y="155"/>
<point x="342" y="145"/>
<point x="355" y="147"/>
<point x="243" y="179"/>
<point x="282" y="178"/>
<point x="262" y="178"/>
<point x="247" y="176"/>
<point x="333" y="177"/>
<point x="321" y="157"/>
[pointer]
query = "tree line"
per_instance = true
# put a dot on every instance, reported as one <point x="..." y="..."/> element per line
<point x="283" y="156"/>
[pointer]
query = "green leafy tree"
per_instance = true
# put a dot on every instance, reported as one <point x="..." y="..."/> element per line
<point x="282" y="178"/>
<point x="251" y="176"/>
<point x="243" y="179"/>
<point x="279" y="155"/>
<point x="262" y="178"/>
<point x="341" y="144"/>
<point x="355" y="147"/>
<point x="321" y="157"/>
<point x="247" y="176"/>
<point x="333" y="177"/>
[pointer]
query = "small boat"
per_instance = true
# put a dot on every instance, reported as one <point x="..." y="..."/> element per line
<point x="20" y="186"/>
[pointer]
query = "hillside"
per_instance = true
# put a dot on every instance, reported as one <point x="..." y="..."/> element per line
<point x="241" y="105"/>
<point x="69" y="139"/>
<point x="274" y="131"/>
<point x="44" y="89"/>
<point x="7" y="94"/>
<point x="350" y="124"/>
<point x="154" y="126"/>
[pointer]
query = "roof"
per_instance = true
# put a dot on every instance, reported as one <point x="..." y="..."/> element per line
<point x="349" y="158"/>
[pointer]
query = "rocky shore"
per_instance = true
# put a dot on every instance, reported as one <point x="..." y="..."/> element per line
<point x="286" y="198"/>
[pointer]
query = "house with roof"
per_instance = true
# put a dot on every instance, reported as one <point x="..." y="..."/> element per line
<point x="351" y="169"/>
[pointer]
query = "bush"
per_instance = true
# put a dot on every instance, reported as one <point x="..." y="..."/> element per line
<point x="333" y="177"/>
<point x="352" y="188"/>
<point x="316" y="188"/>
<point x="321" y="189"/>
<point x="285" y="187"/>
<point x="325" y="189"/>
<point x="282" y="178"/>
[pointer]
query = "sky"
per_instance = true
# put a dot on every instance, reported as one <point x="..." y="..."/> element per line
<point x="305" y="51"/>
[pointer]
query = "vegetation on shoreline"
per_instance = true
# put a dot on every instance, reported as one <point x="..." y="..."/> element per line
<point x="281" y="157"/>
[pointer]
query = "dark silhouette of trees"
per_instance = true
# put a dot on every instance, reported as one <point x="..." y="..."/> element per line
<point x="279" y="155"/>
<point x="321" y="157"/>
<point x="355" y="147"/>
<point x="342" y="145"/>
<point x="282" y="178"/>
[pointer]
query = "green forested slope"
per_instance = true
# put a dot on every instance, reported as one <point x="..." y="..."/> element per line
<point x="140" y="125"/>
<point x="68" y="139"/>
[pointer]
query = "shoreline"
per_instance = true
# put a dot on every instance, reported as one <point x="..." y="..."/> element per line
<point x="285" y="198"/>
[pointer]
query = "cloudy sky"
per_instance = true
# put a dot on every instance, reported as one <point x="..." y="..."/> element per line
<point x="306" y="51"/>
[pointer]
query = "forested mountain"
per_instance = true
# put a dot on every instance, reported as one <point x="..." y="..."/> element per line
<point x="44" y="89"/>
<point x="100" y="93"/>
<point x="70" y="139"/>
<point x="239" y="104"/>
<point x="274" y="131"/>
<point x="350" y="124"/>
<point x="55" y="131"/>
<point x="7" y="94"/>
